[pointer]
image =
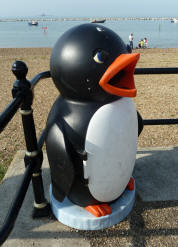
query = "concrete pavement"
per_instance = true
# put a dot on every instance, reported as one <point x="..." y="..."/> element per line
<point x="156" y="175"/>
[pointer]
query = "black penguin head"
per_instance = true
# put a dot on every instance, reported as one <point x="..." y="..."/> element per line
<point x="91" y="62"/>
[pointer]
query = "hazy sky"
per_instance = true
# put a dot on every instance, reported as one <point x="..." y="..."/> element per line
<point x="89" y="8"/>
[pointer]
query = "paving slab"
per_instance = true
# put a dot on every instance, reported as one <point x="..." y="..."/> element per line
<point x="156" y="178"/>
<point x="156" y="174"/>
<point x="27" y="231"/>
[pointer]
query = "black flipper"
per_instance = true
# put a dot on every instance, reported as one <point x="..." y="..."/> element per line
<point x="140" y="123"/>
<point x="62" y="170"/>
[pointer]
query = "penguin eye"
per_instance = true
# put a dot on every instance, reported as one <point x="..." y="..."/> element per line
<point x="100" y="56"/>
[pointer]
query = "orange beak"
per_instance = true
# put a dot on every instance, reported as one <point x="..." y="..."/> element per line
<point x="118" y="79"/>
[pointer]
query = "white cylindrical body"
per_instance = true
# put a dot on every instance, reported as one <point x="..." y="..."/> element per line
<point x="111" y="145"/>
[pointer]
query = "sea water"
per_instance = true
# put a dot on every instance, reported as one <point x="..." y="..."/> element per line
<point x="159" y="33"/>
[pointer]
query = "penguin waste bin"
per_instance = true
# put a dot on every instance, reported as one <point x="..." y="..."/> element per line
<point x="92" y="128"/>
<point x="91" y="132"/>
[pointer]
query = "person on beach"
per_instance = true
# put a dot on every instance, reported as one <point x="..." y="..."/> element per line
<point x="145" y="42"/>
<point x="131" y="40"/>
<point x="141" y="43"/>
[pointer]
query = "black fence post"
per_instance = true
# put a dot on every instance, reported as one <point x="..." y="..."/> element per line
<point x="33" y="154"/>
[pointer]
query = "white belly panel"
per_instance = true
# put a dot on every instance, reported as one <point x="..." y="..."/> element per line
<point x="111" y="145"/>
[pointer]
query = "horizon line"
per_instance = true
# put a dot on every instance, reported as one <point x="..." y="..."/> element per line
<point x="53" y="18"/>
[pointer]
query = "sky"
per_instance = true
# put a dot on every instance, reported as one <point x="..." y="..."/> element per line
<point x="89" y="8"/>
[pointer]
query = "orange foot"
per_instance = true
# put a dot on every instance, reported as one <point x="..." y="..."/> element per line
<point x="99" y="210"/>
<point x="130" y="185"/>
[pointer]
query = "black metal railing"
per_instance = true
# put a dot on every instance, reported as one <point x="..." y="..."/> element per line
<point x="153" y="71"/>
<point x="144" y="71"/>
<point x="23" y="98"/>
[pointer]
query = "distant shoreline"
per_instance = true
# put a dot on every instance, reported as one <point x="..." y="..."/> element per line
<point x="85" y="19"/>
<point x="15" y="50"/>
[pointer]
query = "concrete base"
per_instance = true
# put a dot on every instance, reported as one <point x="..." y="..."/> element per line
<point x="77" y="217"/>
<point x="156" y="172"/>
<point x="156" y="179"/>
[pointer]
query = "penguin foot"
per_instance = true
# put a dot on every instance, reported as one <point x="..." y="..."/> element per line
<point x="99" y="210"/>
<point x="130" y="185"/>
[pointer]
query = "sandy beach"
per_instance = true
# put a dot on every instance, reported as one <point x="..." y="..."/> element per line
<point x="157" y="97"/>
